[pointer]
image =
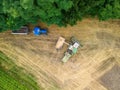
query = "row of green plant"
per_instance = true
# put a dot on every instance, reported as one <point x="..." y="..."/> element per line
<point x="8" y="82"/>
<point x="13" y="77"/>
<point x="15" y="13"/>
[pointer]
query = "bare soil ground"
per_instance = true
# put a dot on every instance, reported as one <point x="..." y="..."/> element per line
<point x="37" y="54"/>
<point x="111" y="79"/>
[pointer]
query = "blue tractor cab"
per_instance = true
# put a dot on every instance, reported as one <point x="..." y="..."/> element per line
<point x="37" y="31"/>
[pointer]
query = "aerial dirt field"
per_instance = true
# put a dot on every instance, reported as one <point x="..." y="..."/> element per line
<point x="37" y="54"/>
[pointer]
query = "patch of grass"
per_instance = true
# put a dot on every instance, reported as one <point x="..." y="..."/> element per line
<point x="8" y="82"/>
<point x="13" y="77"/>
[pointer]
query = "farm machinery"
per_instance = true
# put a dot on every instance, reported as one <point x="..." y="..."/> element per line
<point x="23" y="30"/>
<point x="72" y="47"/>
<point x="38" y="31"/>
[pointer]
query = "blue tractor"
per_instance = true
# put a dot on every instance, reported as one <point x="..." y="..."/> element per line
<point x="38" y="31"/>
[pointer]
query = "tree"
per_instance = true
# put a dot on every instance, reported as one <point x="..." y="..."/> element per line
<point x="15" y="13"/>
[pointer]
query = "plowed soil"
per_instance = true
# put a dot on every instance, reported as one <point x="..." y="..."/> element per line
<point x="37" y="54"/>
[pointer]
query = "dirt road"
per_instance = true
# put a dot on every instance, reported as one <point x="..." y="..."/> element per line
<point x="37" y="54"/>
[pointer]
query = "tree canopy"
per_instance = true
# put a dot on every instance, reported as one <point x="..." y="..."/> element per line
<point x="15" y="13"/>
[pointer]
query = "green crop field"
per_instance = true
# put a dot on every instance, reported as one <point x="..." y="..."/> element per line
<point x="7" y="82"/>
<point x="12" y="77"/>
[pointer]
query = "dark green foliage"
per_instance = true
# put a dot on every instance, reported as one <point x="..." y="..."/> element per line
<point x="15" y="13"/>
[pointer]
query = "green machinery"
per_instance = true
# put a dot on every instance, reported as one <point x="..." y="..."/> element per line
<point x="72" y="47"/>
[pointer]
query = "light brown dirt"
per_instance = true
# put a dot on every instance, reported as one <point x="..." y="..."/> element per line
<point x="37" y="54"/>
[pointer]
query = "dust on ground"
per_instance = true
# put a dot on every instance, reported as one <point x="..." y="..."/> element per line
<point x="37" y="54"/>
